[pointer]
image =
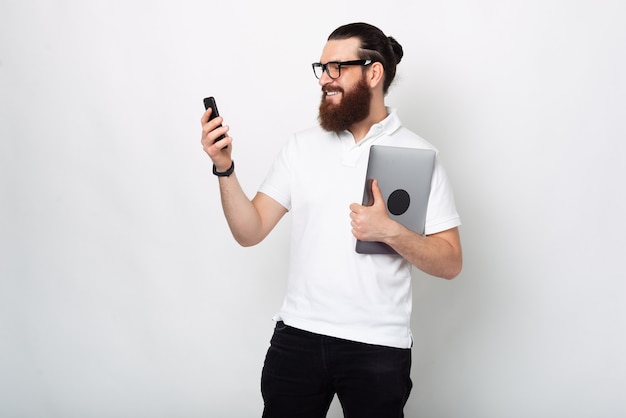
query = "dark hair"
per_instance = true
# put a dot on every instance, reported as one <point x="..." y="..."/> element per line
<point x="375" y="45"/>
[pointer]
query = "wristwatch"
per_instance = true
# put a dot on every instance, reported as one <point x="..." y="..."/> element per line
<point x="224" y="173"/>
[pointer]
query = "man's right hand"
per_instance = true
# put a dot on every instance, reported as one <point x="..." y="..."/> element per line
<point x="220" y="151"/>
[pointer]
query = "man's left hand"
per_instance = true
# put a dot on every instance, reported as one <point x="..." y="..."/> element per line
<point x="371" y="223"/>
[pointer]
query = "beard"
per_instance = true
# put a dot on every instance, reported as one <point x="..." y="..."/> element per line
<point x="354" y="107"/>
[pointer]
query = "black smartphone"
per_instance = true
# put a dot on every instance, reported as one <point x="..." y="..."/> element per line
<point x="210" y="102"/>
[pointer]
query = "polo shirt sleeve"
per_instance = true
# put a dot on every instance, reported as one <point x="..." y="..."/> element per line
<point x="277" y="184"/>
<point x="441" y="214"/>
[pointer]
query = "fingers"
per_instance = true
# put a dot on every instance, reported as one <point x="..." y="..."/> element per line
<point x="368" y="222"/>
<point x="205" y="116"/>
<point x="359" y="218"/>
<point x="214" y="148"/>
<point x="209" y="125"/>
<point x="210" y="135"/>
<point x="211" y="130"/>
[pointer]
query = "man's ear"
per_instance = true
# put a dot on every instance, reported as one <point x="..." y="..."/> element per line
<point x="376" y="74"/>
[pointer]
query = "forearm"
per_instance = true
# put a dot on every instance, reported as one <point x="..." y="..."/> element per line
<point x="243" y="219"/>
<point x="439" y="254"/>
<point x="250" y="221"/>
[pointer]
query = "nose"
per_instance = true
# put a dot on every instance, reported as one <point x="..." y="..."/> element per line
<point x="324" y="79"/>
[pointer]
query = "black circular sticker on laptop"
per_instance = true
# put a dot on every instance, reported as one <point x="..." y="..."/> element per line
<point x="398" y="202"/>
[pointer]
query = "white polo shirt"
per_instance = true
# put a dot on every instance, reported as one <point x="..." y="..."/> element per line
<point x="333" y="290"/>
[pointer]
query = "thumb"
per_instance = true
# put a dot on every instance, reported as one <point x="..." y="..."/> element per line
<point x="376" y="192"/>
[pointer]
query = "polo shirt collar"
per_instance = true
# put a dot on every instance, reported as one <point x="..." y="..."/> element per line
<point x="385" y="127"/>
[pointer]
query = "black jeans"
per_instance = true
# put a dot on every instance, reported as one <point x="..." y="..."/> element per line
<point x="303" y="371"/>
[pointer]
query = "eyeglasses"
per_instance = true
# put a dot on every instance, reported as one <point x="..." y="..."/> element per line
<point x="333" y="68"/>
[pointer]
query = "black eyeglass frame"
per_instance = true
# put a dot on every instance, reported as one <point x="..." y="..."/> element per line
<point x="339" y="64"/>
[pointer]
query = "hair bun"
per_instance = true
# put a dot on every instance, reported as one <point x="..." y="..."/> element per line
<point x="397" y="49"/>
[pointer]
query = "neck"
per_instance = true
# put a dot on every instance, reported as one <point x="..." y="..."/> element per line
<point x="360" y="129"/>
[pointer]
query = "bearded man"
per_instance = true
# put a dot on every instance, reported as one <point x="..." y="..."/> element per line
<point x="344" y="326"/>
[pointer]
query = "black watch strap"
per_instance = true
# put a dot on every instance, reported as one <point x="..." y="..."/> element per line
<point x="224" y="173"/>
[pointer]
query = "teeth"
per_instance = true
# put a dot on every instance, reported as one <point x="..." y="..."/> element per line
<point x="332" y="93"/>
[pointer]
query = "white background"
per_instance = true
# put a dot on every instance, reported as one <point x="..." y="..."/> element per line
<point x="122" y="293"/>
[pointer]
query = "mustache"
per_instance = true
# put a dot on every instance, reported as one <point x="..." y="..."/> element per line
<point x="332" y="89"/>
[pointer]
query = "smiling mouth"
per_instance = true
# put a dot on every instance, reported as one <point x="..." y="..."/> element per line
<point x="332" y="93"/>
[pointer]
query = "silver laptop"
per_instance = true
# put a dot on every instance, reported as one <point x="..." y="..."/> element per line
<point x="404" y="176"/>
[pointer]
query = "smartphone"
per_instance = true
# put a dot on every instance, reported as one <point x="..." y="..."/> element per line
<point x="210" y="102"/>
